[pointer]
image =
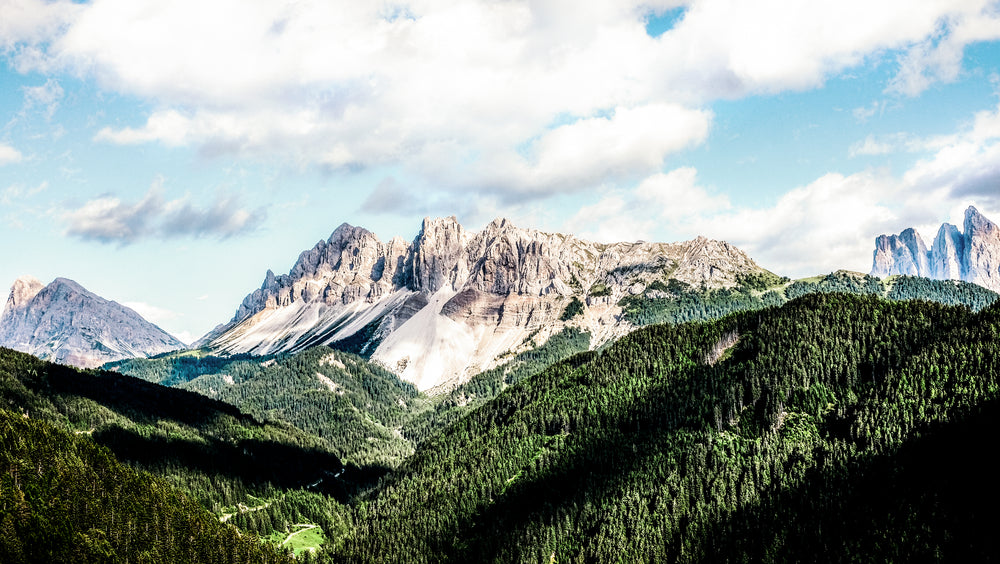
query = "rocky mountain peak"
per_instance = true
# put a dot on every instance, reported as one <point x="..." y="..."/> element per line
<point x="452" y="301"/>
<point x="976" y="223"/>
<point x="66" y="323"/>
<point x="946" y="253"/>
<point x="21" y="292"/>
<point x="438" y="251"/>
<point x="982" y="250"/>
<point x="972" y="256"/>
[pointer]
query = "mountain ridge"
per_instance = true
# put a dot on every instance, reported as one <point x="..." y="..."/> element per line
<point x="445" y="306"/>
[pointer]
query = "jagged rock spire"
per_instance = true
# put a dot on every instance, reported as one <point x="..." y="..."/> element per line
<point x="972" y="256"/>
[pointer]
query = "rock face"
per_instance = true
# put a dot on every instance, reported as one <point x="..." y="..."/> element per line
<point x="972" y="256"/>
<point x="947" y="253"/>
<point x="453" y="302"/>
<point x="64" y="323"/>
<point x="901" y="254"/>
<point x="982" y="251"/>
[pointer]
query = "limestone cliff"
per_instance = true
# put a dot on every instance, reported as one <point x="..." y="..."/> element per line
<point x="972" y="256"/>
<point x="452" y="302"/>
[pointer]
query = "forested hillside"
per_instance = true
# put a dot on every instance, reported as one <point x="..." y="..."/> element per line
<point x="64" y="498"/>
<point x="756" y="437"/>
<point x="834" y="428"/>
<point x="355" y="406"/>
<point x="372" y="419"/>
<point x="216" y="454"/>
<point x="678" y="303"/>
<point x="367" y="415"/>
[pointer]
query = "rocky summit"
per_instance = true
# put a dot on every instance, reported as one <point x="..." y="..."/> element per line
<point x="972" y="255"/>
<point x="65" y="323"/>
<point x="453" y="302"/>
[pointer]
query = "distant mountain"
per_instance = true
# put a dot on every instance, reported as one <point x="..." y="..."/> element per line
<point x="65" y="323"/>
<point x="972" y="255"/>
<point x="455" y="302"/>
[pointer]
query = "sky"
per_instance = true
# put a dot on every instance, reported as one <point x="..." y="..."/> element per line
<point x="166" y="153"/>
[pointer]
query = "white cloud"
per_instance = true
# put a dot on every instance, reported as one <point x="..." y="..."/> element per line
<point x="674" y="198"/>
<point x="827" y="224"/>
<point x="513" y="96"/>
<point x="610" y="220"/>
<point x="938" y="57"/>
<point x="677" y="196"/>
<point x="150" y="312"/>
<point x="831" y="223"/>
<point x="108" y="219"/>
<point x="773" y="45"/>
<point x="628" y="143"/>
<point x="9" y="155"/>
<point x="30" y="23"/>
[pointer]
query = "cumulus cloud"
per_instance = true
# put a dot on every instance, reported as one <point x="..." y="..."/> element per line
<point x="938" y="57"/>
<point x="824" y="225"/>
<point x="513" y="96"/>
<point x="150" y="312"/>
<point x="26" y="25"/>
<point x="674" y="198"/>
<point x="831" y="222"/>
<point x="9" y="155"/>
<point x="965" y="165"/>
<point x="108" y="219"/>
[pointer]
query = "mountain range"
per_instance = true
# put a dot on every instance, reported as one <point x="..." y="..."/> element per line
<point x="745" y="417"/>
<point x="65" y="323"/>
<point x="972" y="255"/>
<point x="455" y="302"/>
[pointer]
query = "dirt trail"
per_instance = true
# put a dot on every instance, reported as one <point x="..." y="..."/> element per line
<point x="241" y="508"/>
<point x="307" y="527"/>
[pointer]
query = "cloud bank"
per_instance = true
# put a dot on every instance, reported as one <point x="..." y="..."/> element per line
<point x="829" y="223"/>
<point x="518" y="98"/>
<point x="108" y="219"/>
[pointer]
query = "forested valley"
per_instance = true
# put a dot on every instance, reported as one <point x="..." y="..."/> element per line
<point x="839" y="425"/>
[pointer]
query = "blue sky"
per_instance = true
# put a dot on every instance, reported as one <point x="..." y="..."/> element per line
<point x="166" y="153"/>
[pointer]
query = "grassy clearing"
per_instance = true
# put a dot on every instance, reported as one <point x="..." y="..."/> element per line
<point x="307" y="537"/>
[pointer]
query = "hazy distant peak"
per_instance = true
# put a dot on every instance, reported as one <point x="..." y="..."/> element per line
<point x="66" y="323"/>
